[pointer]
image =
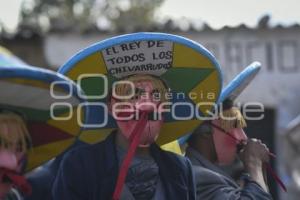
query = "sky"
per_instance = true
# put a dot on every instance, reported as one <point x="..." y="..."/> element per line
<point x="216" y="13"/>
<point x="9" y="13"/>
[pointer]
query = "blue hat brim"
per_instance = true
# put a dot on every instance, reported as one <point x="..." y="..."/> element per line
<point x="240" y="82"/>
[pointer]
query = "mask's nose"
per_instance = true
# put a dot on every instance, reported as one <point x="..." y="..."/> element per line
<point x="239" y="134"/>
<point x="146" y="103"/>
<point x="8" y="160"/>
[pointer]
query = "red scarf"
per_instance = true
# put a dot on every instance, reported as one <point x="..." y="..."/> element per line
<point x="134" y="142"/>
<point x="16" y="179"/>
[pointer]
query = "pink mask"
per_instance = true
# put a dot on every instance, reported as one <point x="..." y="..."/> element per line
<point x="152" y="128"/>
<point x="148" y="136"/>
<point x="8" y="160"/>
<point x="225" y="145"/>
<point x="11" y="165"/>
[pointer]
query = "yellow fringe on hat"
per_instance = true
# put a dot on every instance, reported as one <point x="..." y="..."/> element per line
<point x="14" y="134"/>
<point x="158" y="85"/>
<point x="232" y="118"/>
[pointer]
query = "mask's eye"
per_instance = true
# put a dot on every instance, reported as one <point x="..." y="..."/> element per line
<point x="155" y="92"/>
<point x="19" y="148"/>
<point x="141" y="91"/>
<point x="205" y="129"/>
<point x="156" y="95"/>
<point x="138" y="92"/>
<point x="5" y="144"/>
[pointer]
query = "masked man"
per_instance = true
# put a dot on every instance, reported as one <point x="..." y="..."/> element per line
<point x="91" y="172"/>
<point x="216" y="143"/>
<point x="14" y="144"/>
<point x="27" y="120"/>
<point x="212" y="145"/>
<point x="146" y="72"/>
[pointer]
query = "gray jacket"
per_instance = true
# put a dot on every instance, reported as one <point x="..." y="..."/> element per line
<point x="212" y="183"/>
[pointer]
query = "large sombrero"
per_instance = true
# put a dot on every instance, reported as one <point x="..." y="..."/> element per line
<point x="185" y="65"/>
<point x="51" y="116"/>
<point x="234" y="88"/>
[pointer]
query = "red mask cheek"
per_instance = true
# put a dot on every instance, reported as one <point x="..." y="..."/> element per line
<point x="226" y="146"/>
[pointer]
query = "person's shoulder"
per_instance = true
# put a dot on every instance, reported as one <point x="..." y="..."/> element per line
<point x="180" y="160"/>
<point x="204" y="171"/>
<point x="83" y="153"/>
<point x="175" y="156"/>
<point x="205" y="175"/>
<point x="86" y="148"/>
